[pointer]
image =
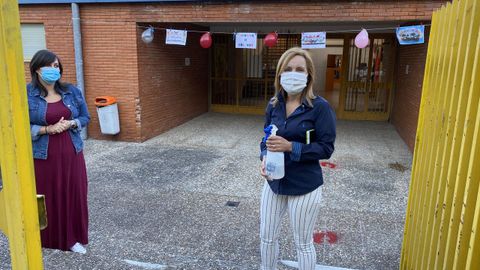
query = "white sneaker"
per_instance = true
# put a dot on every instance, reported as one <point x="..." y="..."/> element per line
<point x="78" y="248"/>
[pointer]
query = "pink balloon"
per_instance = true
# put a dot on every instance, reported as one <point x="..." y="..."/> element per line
<point x="361" y="40"/>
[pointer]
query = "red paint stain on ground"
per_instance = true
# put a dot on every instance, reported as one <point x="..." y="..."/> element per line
<point x="328" y="164"/>
<point x="320" y="236"/>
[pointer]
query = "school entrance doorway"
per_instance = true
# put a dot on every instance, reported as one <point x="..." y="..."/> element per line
<point x="357" y="82"/>
<point x="367" y="79"/>
<point x="242" y="79"/>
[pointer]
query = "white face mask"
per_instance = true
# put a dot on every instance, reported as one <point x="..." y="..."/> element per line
<point x="293" y="82"/>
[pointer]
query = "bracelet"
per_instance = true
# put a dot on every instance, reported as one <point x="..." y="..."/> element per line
<point x="46" y="130"/>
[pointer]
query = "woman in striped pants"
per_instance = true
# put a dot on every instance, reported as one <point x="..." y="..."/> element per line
<point x="306" y="133"/>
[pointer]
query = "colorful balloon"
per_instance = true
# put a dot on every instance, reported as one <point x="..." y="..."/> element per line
<point x="206" y="40"/>
<point x="361" y="40"/>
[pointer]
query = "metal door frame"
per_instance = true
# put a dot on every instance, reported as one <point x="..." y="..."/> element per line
<point x="342" y="113"/>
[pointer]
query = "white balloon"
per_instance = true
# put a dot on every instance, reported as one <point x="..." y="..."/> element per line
<point x="147" y="35"/>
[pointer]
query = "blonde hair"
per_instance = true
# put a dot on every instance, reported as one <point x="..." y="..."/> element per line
<point x="307" y="93"/>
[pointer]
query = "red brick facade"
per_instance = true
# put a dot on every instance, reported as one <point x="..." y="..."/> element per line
<point x="172" y="92"/>
<point x="58" y="34"/>
<point x="408" y="90"/>
<point x="111" y="66"/>
<point x="154" y="88"/>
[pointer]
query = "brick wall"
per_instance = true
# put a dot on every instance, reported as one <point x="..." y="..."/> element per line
<point x="58" y="34"/>
<point x="288" y="11"/>
<point x="171" y="92"/>
<point x="109" y="58"/>
<point x="408" y="90"/>
<point x="111" y="66"/>
<point x="116" y="64"/>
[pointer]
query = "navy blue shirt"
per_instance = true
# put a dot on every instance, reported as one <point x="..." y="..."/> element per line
<point x="303" y="172"/>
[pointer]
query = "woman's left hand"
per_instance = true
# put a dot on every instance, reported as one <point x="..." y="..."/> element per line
<point x="278" y="144"/>
<point x="58" y="127"/>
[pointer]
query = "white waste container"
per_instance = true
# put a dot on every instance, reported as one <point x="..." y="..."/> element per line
<point x="107" y="111"/>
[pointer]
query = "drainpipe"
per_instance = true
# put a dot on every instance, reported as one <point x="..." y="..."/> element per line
<point x="77" y="41"/>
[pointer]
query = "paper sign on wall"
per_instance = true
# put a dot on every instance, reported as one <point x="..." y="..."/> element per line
<point x="176" y="37"/>
<point x="246" y="40"/>
<point x="411" y="34"/>
<point x="314" y="40"/>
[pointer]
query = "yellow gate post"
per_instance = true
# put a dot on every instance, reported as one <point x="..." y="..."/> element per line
<point x="443" y="215"/>
<point x="18" y="205"/>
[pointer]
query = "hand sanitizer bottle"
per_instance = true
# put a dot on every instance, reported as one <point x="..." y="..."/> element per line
<point x="275" y="163"/>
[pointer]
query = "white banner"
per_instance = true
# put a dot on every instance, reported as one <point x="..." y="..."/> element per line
<point x="314" y="40"/>
<point x="246" y="40"/>
<point x="176" y="37"/>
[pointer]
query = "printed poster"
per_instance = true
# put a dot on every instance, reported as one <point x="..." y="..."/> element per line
<point x="246" y="40"/>
<point x="314" y="40"/>
<point x="411" y="34"/>
<point x="176" y="37"/>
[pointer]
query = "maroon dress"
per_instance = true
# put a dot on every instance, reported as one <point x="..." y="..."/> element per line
<point x="62" y="178"/>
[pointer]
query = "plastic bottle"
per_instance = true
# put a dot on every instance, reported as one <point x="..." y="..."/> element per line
<point x="275" y="163"/>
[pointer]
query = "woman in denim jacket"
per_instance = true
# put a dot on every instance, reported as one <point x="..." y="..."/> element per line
<point x="58" y="113"/>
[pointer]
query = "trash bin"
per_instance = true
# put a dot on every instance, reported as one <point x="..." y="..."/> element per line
<point x="107" y="111"/>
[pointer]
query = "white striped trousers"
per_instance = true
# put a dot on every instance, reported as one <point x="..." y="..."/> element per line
<point x="303" y="211"/>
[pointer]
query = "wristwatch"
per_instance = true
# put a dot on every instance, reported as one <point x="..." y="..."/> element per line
<point x="73" y="124"/>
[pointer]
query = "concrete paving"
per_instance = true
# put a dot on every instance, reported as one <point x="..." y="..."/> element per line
<point x="162" y="204"/>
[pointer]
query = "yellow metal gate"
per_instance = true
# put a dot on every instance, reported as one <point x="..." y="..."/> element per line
<point x="18" y="205"/>
<point x="442" y="229"/>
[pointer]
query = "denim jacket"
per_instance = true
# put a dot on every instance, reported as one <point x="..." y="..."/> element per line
<point x="303" y="173"/>
<point x="37" y="109"/>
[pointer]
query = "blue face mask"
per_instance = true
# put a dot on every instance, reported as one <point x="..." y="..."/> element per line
<point x="50" y="74"/>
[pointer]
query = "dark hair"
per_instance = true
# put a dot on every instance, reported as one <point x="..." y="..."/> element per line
<point x="41" y="59"/>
